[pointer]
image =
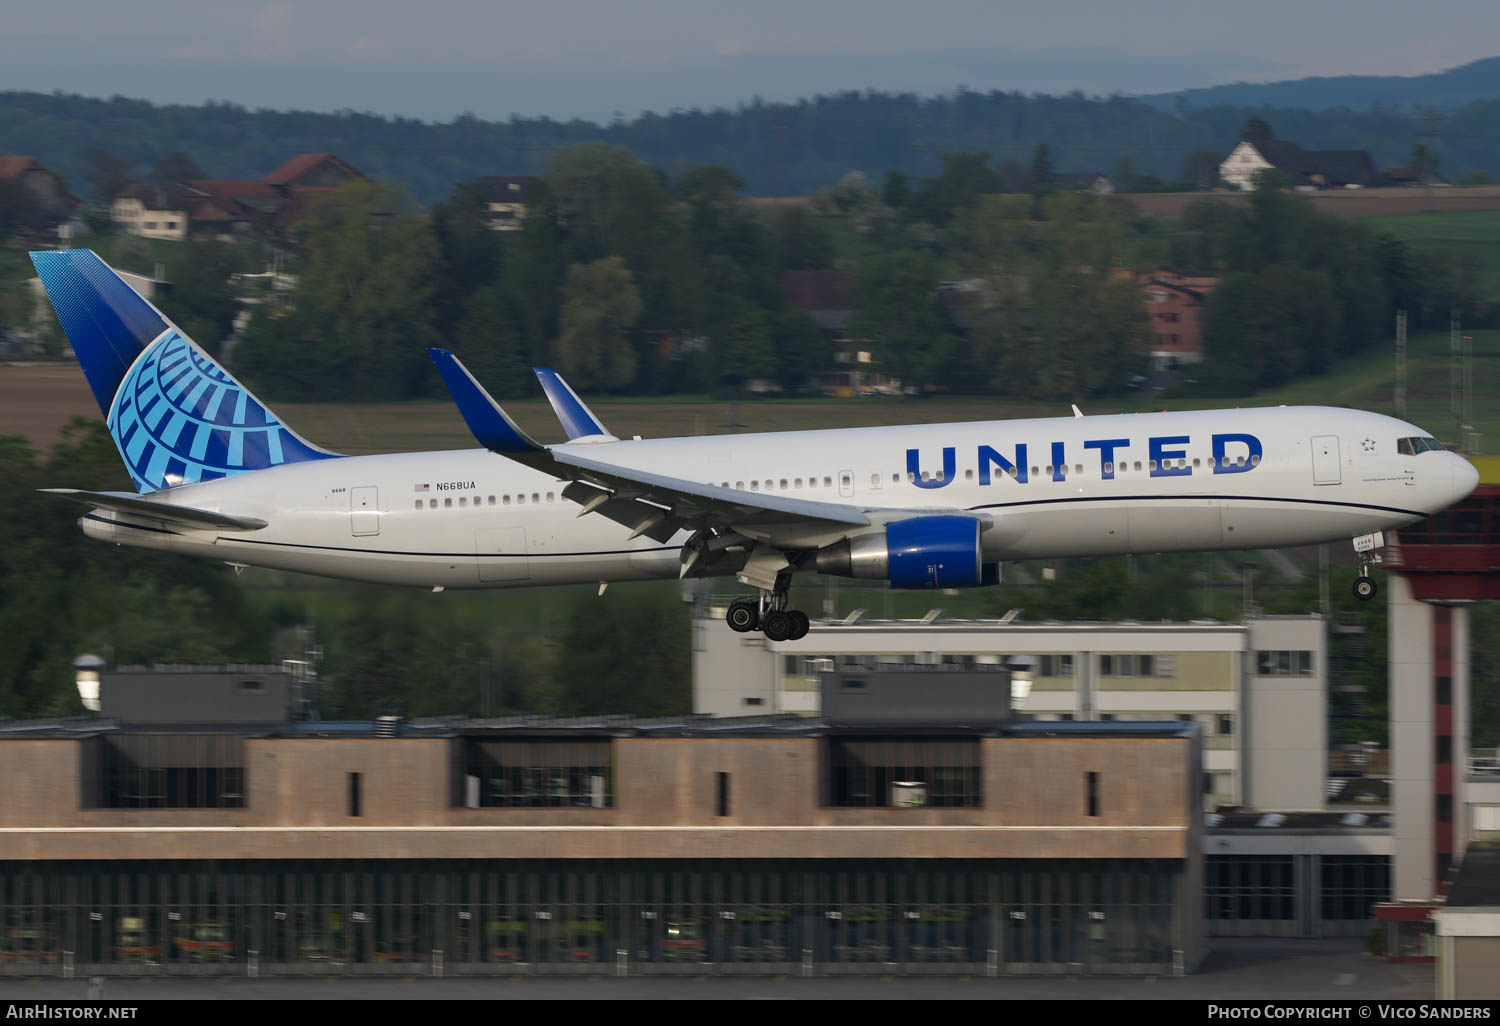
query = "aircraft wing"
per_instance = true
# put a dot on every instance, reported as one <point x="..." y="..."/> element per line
<point x="182" y="516"/>
<point x="651" y="504"/>
<point x="681" y="494"/>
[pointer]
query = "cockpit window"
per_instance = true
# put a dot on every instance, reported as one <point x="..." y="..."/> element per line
<point x="1413" y="446"/>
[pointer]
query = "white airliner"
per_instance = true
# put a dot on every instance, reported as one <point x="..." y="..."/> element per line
<point x="927" y="506"/>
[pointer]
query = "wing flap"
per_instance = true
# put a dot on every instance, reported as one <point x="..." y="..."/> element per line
<point x="676" y="492"/>
<point x="184" y="516"/>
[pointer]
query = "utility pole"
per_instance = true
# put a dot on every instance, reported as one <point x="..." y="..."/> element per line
<point x="1470" y="438"/>
<point x="1401" y="364"/>
<point x="1324" y="604"/>
<point x="1428" y="118"/>
<point x="1454" y="364"/>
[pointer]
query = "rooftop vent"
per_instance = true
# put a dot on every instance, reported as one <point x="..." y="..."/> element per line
<point x="386" y="726"/>
<point x="1271" y="819"/>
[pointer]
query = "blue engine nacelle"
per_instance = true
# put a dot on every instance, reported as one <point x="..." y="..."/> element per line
<point x="922" y="552"/>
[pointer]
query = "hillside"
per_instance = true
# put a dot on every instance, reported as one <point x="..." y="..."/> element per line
<point x="1456" y="87"/>
<point x="779" y="149"/>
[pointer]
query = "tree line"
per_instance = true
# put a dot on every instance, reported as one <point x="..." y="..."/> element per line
<point x="777" y="148"/>
<point x="984" y="278"/>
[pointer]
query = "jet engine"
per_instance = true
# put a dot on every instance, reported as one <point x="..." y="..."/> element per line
<point x="921" y="552"/>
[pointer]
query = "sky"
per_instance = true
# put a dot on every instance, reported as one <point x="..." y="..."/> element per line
<point x="599" y="59"/>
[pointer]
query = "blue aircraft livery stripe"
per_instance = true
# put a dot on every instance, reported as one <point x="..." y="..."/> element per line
<point x="1199" y="497"/>
<point x="488" y="423"/>
<point x="165" y="400"/>
<point x="168" y="440"/>
<point x="577" y="419"/>
<point x="107" y="323"/>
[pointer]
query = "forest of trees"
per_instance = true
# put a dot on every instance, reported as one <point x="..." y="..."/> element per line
<point x="635" y="283"/>
<point x="777" y="149"/>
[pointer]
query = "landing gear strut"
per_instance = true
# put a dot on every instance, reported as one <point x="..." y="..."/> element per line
<point x="770" y="615"/>
<point x="1365" y="547"/>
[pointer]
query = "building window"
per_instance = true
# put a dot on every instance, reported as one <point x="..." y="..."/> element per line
<point x="883" y="772"/>
<point x="755" y="701"/>
<point x="1445" y="691"/>
<point x="1444" y="749"/>
<point x="723" y="794"/>
<point x="1225" y="724"/>
<point x="1142" y="665"/>
<point x="1283" y="664"/>
<point x="165" y="771"/>
<point x="1057" y="665"/>
<point x="1093" y="793"/>
<point x="1351" y="884"/>
<point x="1250" y="887"/>
<point x="354" y="794"/>
<point x="536" y="772"/>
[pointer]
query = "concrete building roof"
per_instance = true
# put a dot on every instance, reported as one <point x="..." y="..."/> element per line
<point x="692" y="726"/>
<point x="1477" y="884"/>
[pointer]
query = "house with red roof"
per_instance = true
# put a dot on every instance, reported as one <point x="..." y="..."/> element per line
<point x="227" y="208"/>
<point x="1175" y="301"/>
<point x="41" y="187"/>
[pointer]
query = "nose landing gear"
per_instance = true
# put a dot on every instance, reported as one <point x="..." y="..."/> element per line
<point x="1365" y="547"/>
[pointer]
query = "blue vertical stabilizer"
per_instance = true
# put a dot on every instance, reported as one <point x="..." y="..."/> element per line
<point x="175" y="414"/>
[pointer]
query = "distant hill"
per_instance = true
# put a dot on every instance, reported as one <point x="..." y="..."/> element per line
<point x="1455" y="87"/>
<point x="779" y="149"/>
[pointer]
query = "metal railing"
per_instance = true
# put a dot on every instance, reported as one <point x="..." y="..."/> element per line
<point x="1484" y="762"/>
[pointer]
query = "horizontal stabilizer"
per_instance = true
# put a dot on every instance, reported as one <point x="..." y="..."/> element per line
<point x="490" y="425"/>
<point x="577" y="419"/>
<point x="185" y="516"/>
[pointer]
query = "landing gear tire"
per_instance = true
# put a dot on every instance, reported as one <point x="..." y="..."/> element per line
<point x="800" y="625"/>
<point x="777" y="625"/>
<point x="743" y="616"/>
<point x="1365" y="588"/>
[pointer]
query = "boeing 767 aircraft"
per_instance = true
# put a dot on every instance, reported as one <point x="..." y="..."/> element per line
<point x="926" y="506"/>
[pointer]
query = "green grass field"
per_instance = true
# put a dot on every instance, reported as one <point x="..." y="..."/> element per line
<point x="1366" y="382"/>
<point x="1472" y="233"/>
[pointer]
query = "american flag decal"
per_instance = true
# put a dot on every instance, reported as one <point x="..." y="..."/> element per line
<point x="419" y="488"/>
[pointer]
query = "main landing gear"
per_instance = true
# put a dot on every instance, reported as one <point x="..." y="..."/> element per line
<point x="770" y="615"/>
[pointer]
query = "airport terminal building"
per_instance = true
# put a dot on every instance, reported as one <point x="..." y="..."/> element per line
<point x="850" y="842"/>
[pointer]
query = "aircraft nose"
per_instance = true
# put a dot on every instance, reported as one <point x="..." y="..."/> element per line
<point x="1465" y="477"/>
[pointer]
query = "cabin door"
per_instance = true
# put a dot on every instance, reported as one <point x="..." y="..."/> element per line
<point x="364" y="510"/>
<point x="1325" y="460"/>
<point x="501" y="552"/>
